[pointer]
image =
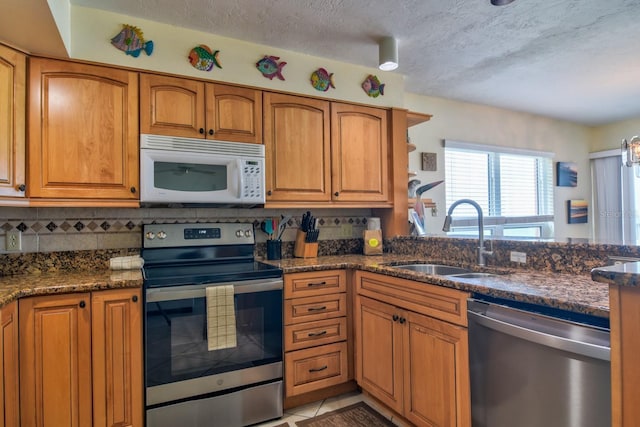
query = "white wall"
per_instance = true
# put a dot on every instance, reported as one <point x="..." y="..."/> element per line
<point x="93" y="29"/>
<point x="462" y="121"/>
<point x="610" y="136"/>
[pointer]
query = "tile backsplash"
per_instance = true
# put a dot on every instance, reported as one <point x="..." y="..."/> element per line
<point x="74" y="229"/>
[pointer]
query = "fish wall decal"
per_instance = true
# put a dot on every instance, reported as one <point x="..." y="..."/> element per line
<point x="372" y="86"/>
<point x="203" y="58"/>
<point x="131" y="41"/>
<point x="270" y="68"/>
<point x="322" y="80"/>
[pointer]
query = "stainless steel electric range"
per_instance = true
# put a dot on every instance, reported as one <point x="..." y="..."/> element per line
<point x="199" y="370"/>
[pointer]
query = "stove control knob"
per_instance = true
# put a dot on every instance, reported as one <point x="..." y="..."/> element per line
<point x="162" y="235"/>
<point x="247" y="233"/>
<point x="150" y="235"/>
<point x="239" y="233"/>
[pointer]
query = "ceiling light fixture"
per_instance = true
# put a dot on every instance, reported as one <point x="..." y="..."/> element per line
<point x="501" y="2"/>
<point x="388" y="54"/>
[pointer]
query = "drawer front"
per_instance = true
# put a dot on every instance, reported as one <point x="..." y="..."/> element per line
<point x="312" y="334"/>
<point x="436" y="301"/>
<point x="314" y="283"/>
<point x="309" y="309"/>
<point x="315" y="368"/>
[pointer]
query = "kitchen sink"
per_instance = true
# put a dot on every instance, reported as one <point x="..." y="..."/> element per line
<point x="473" y="275"/>
<point x="434" y="269"/>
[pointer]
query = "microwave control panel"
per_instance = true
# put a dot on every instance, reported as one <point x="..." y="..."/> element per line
<point x="253" y="173"/>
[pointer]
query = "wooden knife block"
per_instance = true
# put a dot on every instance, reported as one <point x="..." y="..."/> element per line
<point x="303" y="249"/>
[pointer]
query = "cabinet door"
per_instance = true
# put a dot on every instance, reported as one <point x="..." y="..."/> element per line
<point x="172" y="106"/>
<point x="9" y="412"/>
<point x="359" y="161"/>
<point x="13" y="75"/>
<point x="83" y="131"/>
<point x="436" y="385"/>
<point x="297" y="149"/>
<point x="55" y="360"/>
<point x="117" y="358"/>
<point x="234" y="113"/>
<point x="379" y="351"/>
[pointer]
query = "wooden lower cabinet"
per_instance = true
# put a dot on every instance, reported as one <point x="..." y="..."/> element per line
<point x="415" y="364"/>
<point x="81" y="359"/>
<point x="9" y="389"/>
<point x="624" y="304"/>
<point x="316" y="336"/>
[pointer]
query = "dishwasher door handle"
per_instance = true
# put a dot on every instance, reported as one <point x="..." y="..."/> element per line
<point x="566" y="344"/>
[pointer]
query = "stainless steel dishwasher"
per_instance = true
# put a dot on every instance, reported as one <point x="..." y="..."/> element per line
<point x="530" y="368"/>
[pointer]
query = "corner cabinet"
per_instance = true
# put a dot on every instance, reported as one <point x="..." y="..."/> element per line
<point x="412" y="351"/>
<point x="359" y="161"/>
<point x="13" y="75"/>
<point x="191" y="108"/>
<point x="81" y="359"/>
<point x="83" y="135"/>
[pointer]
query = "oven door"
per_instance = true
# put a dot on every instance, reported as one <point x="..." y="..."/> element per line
<point x="178" y="362"/>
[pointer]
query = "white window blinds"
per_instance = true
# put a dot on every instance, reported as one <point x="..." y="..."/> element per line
<point x="513" y="187"/>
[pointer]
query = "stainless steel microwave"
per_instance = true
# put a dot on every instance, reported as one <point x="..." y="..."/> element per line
<point x="190" y="170"/>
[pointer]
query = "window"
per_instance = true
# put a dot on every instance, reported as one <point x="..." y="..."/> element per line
<point x="514" y="188"/>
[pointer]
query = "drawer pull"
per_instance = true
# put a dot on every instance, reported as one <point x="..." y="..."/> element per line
<point x="318" y="369"/>
<point x="317" y="334"/>
<point x="323" y="308"/>
<point x="310" y="284"/>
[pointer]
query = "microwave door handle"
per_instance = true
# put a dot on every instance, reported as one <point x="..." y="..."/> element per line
<point x="240" y="178"/>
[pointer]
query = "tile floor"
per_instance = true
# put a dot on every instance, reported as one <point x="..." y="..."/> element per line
<point x="331" y="404"/>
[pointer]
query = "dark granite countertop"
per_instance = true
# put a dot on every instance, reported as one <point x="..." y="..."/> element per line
<point x="625" y="274"/>
<point x="571" y="292"/>
<point x="18" y="286"/>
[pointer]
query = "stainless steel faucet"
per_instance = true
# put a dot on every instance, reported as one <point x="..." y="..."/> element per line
<point x="482" y="252"/>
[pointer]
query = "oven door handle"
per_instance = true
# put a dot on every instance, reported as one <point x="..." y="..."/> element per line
<point x="174" y="293"/>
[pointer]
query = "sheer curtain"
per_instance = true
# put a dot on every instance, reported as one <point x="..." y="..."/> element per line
<point x="606" y="182"/>
<point x="630" y="202"/>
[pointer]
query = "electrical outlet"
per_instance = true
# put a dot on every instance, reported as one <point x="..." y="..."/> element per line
<point x="518" y="257"/>
<point x="13" y="240"/>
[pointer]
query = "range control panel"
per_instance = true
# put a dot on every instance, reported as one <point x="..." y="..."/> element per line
<point x="196" y="234"/>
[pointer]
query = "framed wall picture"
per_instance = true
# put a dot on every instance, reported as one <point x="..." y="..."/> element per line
<point x="566" y="174"/>
<point x="577" y="211"/>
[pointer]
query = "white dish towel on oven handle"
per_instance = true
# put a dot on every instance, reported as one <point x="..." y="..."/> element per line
<point x="221" y="317"/>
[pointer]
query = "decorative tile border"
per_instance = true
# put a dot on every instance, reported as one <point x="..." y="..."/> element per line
<point x="62" y="229"/>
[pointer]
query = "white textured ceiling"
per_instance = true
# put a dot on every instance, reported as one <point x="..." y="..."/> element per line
<point x="576" y="60"/>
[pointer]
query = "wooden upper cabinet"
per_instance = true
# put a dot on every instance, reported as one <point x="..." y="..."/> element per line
<point x="83" y="132"/>
<point x="13" y="75"/>
<point x="190" y="108"/>
<point x="234" y="113"/>
<point x="297" y="148"/>
<point x="359" y="154"/>
<point x="171" y="106"/>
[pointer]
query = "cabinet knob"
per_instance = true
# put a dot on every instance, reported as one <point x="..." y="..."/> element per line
<point x="210" y="131"/>
<point x="22" y="187"/>
<point x="134" y="298"/>
<point x="201" y="130"/>
<point x="395" y="317"/>
<point x="336" y="193"/>
<point x="133" y="189"/>
<point x="82" y="304"/>
<point x="402" y="320"/>
<point x="269" y="193"/>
